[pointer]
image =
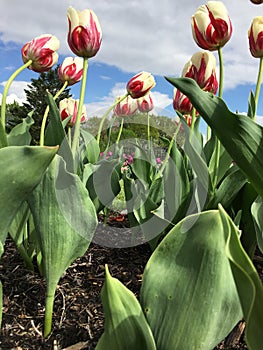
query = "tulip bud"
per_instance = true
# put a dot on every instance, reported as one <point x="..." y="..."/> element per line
<point x="126" y="107"/>
<point x="140" y="84"/>
<point x="145" y="103"/>
<point x="69" y="107"/>
<point x="84" y="35"/>
<point x="257" y="2"/>
<point x="211" y="26"/>
<point x="181" y="103"/>
<point x="42" y="51"/>
<point x="202" y="68"/>
<point x="255" y="37"/>
<point x="71" y="70"/>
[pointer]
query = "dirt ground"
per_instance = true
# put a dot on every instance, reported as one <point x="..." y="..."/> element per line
<point x="78" y="316"/>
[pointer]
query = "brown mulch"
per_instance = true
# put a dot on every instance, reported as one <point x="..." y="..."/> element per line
<point x="78" y="315"/>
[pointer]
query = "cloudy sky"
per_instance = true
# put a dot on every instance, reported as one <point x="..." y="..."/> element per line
<point x="150" y="35"/>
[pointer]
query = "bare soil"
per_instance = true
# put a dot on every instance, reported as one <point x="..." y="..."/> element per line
<point x="78" y="316"/>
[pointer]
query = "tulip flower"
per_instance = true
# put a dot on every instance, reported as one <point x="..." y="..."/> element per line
<point x="69" y="107"/>
<point x="84" y="35"/>
<point x="255" y="36"/>
<point x="211" y="26"/>
<point x="181" y="103"/>
<point x="145" y="103"/>
<point x="202" y="68"/>
<point x="71" y="70"/>
<point x="140" y="84"/>
<point x="126" y="107"/>
<point x="42" y="52"/>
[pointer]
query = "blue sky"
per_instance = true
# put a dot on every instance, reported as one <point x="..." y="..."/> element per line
<point x="137" y="35"/>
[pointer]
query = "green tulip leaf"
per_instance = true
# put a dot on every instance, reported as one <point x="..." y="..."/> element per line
<point x="257" y="214"/>
<point x="239" y="134"/>
<point x="92" y="149"/>
<point x="56" y="135"/>
<point x="125" y="325"/>
<point x="65" y="221"/>
<point x="21" y="170"/>
<point x="188" y="292"/>
<point x="20" y="135"/>
<point x="248" y="284"/>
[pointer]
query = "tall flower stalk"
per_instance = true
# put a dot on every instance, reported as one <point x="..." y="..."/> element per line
<point x="6" y="89"/>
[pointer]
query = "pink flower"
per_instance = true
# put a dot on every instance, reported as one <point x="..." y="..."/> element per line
<point x="181" y="102"/>
<point x="71" y="70"/>
<point x="68" y="107"/>
<point x="211" y="26"/>
<point x="42" y="51"/>
<point x="126" y="107"/>
<point x="84" y="35"/>
<point x="202" y="68"/>
<point x="255" y="37"/>
<point x="140" y="84"/>
<point x="145" y="103"/>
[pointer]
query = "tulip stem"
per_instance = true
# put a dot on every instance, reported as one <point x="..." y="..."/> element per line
<point x="105" y="115"/>
<point x="220" y="94"/>
<point x="44" y="120"/>
<point x="259" y="79"/>
<point x="193" y="119"/>
<point x="6" y="89"/>
<point x="81" y="101"/>
<point x="120" y="130"/>
<point x="149" y="132"/>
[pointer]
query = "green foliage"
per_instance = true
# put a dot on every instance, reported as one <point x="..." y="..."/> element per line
<point x="125" y="324"/>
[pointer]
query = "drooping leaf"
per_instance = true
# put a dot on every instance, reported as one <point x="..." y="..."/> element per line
<point x="125" y="325"/>
<point x="21" y="170"/>
<point x="239" y="134"/>
<point x="248" y="284"/>
<point x="65" y="221"/>
<point x="188" y="293"/>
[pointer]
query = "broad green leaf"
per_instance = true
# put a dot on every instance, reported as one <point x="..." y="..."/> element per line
<point x="239" y="134"/>
<point x="228" y="189"/>
<point x="21" y="170"/>
<point x="251" y="105"/>
<point x="188" y="293"/>
<point x="125" y="325"/>
<point x="65" y="221"/>
<point x="92" y="149"/>
<point x="103" y="184"/>
<point x="20" y="135"/>
<point x="248" y="284"/>
<point x="257" y="214"/>
<point x="55" y="134"/>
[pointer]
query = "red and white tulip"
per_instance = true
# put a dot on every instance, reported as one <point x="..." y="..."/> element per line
<point x="211" y="26"/>
<point x="145" y="103"/>
<point x="140" y="84"/>
<point x="126" y="107"/>
<point x="42" y="50"/>
<point x="71" y="70"/>
<point x="84" y="35"/>
<point x="68" y="107"/>
<point x="202" y="68"/>
<point x="255" y="37"/>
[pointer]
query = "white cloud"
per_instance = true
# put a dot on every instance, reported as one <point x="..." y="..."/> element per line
<point x="16" y="92"/>
<point x="150" y="35"/>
